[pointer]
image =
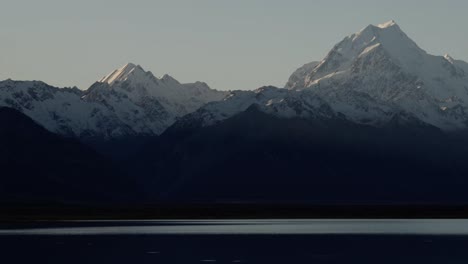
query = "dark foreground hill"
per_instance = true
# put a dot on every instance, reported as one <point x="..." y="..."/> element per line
<point x="37" y="166"/>
<point x="254" y="157"/>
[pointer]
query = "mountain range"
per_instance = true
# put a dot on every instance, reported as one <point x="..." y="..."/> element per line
<point x="370" y="78"/>
<point x="378" y="120"/>
<point x="127" y="102"/>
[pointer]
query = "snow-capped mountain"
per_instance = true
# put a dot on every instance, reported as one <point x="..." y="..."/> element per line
<point x="59" y="110"/>
<point x="138" y="84"/>
<point x="384" y="64"/>
<point x="369" y="78"/>
<point x="128" y="101"/>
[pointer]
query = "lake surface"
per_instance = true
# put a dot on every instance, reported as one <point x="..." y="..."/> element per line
<point x="237" y="241"/>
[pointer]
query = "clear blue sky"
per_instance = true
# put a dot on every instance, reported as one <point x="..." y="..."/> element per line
<point x="230" y="44"/>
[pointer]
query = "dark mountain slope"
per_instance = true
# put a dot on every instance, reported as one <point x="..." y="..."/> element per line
<point x="256" y="157"/>
<point x="37" y="166"/>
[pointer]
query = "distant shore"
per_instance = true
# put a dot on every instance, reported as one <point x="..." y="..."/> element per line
<point x="228" y="211"/>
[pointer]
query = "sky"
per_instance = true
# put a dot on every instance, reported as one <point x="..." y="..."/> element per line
<point x="230" y="44"/>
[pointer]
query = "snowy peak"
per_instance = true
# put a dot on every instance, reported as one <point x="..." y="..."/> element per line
<point x="138" y="84"/>
<point x="388" y="24"/>
<point x="382" y="64"/>
<point x="385" y="41"/>
<point x="128" y="71"/>
<point x="389" y="35"/>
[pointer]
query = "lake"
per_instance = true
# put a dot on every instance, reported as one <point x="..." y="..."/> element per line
<point x="237" y="241"/>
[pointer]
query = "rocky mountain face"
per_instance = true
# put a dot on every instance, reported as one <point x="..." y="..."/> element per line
<point x="127" y="102"/>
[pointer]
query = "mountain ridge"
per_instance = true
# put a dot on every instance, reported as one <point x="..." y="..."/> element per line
<point x="127" y="102"/>
<point x="369" y="77"/>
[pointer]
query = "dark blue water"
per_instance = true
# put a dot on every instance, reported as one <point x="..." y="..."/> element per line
<point x="52" y="245"/>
